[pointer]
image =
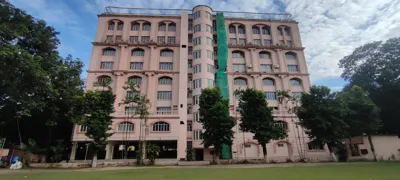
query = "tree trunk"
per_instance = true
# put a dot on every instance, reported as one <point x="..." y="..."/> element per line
<point x="372" y="146"/>
<point x="94" y="160"/>
<point x="351" y="147"/>
<point x="144" y="155"/>
<point x="217" y="155"/>
<point x="19" y="134"/>
<point x="332" y="153"/>
<point x="264" y="148"/>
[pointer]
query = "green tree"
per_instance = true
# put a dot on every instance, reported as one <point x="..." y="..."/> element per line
<point x="96" y="108"/>
<point x="152" y="152"/>
<point x="218" y="125"/>
<point x="321" y="113"/>
<point x="362" y="115"/>
<point x="38" y="87"/>
<point x="375" y="67"/>
<point x="256" y="117"/>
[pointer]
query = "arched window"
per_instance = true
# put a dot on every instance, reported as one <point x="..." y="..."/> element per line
<point x="125" y="126"/>
<point x="161" y="126"/>
<point x="120" y="26"/>
<point x="280" y="31"/>
<point x="103" y="79"/>
<point x="241" y="29"/>
<point x="109" y="52"/>
<point x="165" y="80"/>
<point x="295" y="82"/>
<point x="136" y="79"/>
<point x="281" y="124"/>
<point x="146" y="26"/>
<point x="287" y="31"/>
<point x="256" y="30"/>
<point x="290" y="56"/>
<point x="232" y="29"/>
<point x="166" y="53"/>
<point x="237" y="54"/>
<point x="111" y="25"/>
<point x="264" y="55"/>
<point x="137" y="52"/>
<point x="135" y="26"/>
<point x="172" y="27"/>
<point x="265" y="30"/>
<point x="162" y="27"/>
<point x="268" y="82"/>
<point x="240" y="82"/>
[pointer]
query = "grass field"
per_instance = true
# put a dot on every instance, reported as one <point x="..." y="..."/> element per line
<point x="367" y="171"/>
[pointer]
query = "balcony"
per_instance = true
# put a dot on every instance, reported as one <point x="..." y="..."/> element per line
<point x="143" y="42"/>
<point x="151" y="113"/>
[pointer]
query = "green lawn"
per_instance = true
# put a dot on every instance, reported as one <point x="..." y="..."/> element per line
<point x="367" y="171"/>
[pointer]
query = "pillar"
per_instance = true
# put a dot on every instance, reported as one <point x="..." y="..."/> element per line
<point x="73" y="151"/>
<point x="109" y="150"/>
<point x="281" y="61"/>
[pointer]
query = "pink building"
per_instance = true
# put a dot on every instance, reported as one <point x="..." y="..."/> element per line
<point x="172" y="55"/>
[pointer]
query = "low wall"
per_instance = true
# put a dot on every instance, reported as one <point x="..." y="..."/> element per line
<point x="101" y="164"/>
<point x="193" y="163"/>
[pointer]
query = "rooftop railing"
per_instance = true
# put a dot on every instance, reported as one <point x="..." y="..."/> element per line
<point x="177" y="12"/>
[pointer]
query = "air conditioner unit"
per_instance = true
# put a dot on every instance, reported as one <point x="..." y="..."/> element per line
<point x="249" y="66"/>
<point x="276" y="66"/>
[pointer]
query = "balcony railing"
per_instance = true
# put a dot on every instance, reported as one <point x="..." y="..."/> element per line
<point x="151" y="113"/>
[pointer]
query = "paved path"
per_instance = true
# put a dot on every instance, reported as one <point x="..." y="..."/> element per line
<point x="8" y="171"/>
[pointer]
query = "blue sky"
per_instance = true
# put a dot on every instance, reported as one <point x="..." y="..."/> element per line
<point x="330" y="29"/>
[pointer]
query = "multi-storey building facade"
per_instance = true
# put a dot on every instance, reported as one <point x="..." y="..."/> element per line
<point x="173" y="56"/>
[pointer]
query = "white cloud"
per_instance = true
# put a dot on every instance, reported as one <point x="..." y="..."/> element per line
<point x="336" y="88"/>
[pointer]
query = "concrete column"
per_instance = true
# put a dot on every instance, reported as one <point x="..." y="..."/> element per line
<point x="152" y="59"/>
<point x="281" y="61"/>
<point x="118" y="89"/>
<point x="254" y="61"/>
<point x="109" y="150"/>
<point x="122" y="65"/>
<point x="151" y="91"/>
<point x="73" y="151"/>
<point x="257" y="81"/>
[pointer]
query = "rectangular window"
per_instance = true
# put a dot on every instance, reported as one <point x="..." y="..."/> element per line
<point x="293" y="68"/>
<point x="196" y="116"/>
<point x="232" y="41"/>
<point x="106" y="65"/>
<point x="190" y="51"/>
<point x="197" y="135"/>
<point x="189" y="126"/>
<point x="196" y="15"/>
<point x="190" y="38"/>
<point x="197" y="68"/>
<point x="208" y="15"/>
<point x="196" y="99"/>
<point x="109" y="38"/>
<point x="145" y="39"/>
<point x="266" y="67"/>
<point x="166" y="66"/>
<point x="242" y="41"/>
<point x="289" y="43"/>
<point x="232" y="29"/>
<point x="256" y="30"/>
<point x="215" y="39"/>
<point x="290" y="56"/>
<point x="135" y="27"/>
<point x="270" y="95"/>
<point x="146" y="27"/>
<point x="167" y="53"/>
<point x="210" y="83"/>
<point x="131" y="110"/>
<point x="162" y="27"/>
<point x="134" y="39"/>
<point x="171" y="27"/>
<point x="214" y="25"/>
<point x="111" y="26"/>
<point x="161" y="39"/>
<point x="118" y="38"/>
<point x="164" y="95"/>
<point x="164" y="110"/>
<point x="239" y="67"/>
<point x="197" y="83"/>
<point x="83" y="128"/>
<point x="132" y="94"/>
<point x="265" y="31"/>
<point x="171" y="39"/>
<point x="136" y="65"/>
<point x="267" y="42"/>
<point x="190" y="25"/>
<point x="287" y="32"/>
<point x="189" y="109"/>
<point x="210" y="54"/>
<point x="282" y="42"/>
<point x="197" y="28"/>
<point x="196" y="54"/>
<point x="210" y="68"/>
<point x="120" y="26"/>
<point x="208" y="28"/>
<point x="190" y="64"/>
<point x="257" y="42"/>
<point x="196" y="41"/>
<point x="209" y="41"/>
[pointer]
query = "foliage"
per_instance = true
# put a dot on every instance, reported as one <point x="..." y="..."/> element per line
<point x="282" y="95"/>
<point x="256" y="117"/>
<point x="95" y="113"/>
<point x="38" y="87"/>
<point x="375" y="67"/>
<point x="217" y="124"/>
<point x="321" y="114"/>
<point x="190" y="154"/>
<point x="152" y="152"/>
<point x="57" y="151"/>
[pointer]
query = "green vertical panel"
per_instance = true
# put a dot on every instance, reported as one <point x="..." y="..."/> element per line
<point x="221" y="76"/>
